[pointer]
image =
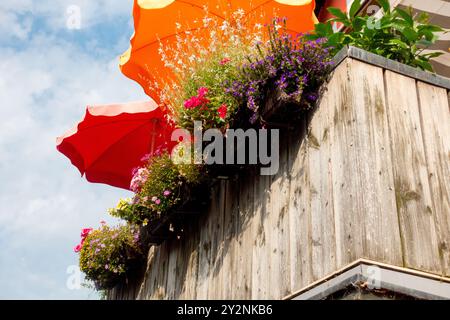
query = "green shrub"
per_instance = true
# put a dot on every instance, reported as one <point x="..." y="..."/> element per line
<point x="397" y="35"/>
<point x="159" y="187"/>
<point x="109" y="253"/>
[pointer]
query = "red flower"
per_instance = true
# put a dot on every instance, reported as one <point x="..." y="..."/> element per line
<point x="77" y="248"/>
<point x="202" y="92"/>
<point x="223" y="109"/>
<point x="85" y="232"/>
<point x="192" y="103"/>
<point x="199" y="100"/>
<point x="224" y="61"/>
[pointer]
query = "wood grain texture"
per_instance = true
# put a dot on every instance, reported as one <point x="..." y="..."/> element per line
<point x="300" y="253"/>
<point x="374" y="176"/>
<point x="364" y="176"/>
<point x="323" y="237"/>
<point x="435" y="116"/>
<point x="414" y="204"/>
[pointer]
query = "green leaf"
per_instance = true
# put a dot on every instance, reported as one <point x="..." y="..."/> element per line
<point x="355" y="7"/>
<point x="433" y="55"/>
<point x="324" y="29"/>
<point x="336" y="40"/>
<point x="425" y="65"/>
<point x="398" y="43"/>
<point x="423" y="17"/>
<point x="410" y="34"/>
<point x="385" y="5"/>
<point x="338" y="13"/>
<point x="358" y="23"/>
<point x="430" y="27"/>
<point x="406" y="16"/>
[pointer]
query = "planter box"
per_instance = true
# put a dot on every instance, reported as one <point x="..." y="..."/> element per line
<point x="366" y="175"/>
<point x="171" y="224"/>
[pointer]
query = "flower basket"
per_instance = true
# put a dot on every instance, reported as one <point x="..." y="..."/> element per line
<point x="134" y="269"/>
<point x="171" y="224"/>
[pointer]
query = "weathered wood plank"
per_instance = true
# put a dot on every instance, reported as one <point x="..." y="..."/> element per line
<point x="242" y="271"/>
<point x="261" y="236"/>
<point x="435" y="116"/>
<point x="381" y="226"/>
<point x="231" y="214"/>
<point x="299" y="209"/>
<point x="172" y="269"/>
<point x="207" y="225"/>
<point x="347" y="205"/>
<point x="189" y="291"/>
<point x="217" y="220"/>
<point x="363" y="180"/>
<point x="278" y="218"/>
<point x="323" y="242"/>
<point x="414" y="205"/>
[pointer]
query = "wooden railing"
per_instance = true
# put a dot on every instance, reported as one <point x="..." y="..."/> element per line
<point x="367" y="175"/>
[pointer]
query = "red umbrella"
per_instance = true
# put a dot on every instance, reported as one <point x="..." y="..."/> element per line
<point x="112" y="140"/>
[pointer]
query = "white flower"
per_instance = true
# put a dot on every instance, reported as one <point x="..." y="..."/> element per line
<point x="225" y="25"/>
<point x="206" y="21"/>
<point x="239" y="13"/>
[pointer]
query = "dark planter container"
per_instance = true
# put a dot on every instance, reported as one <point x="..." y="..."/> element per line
<point x="171" y="224"/>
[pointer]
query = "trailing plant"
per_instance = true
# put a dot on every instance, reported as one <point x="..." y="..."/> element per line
<point x="396" y="35"/>
<point x="202" y="62"/>
<point x="159" y="187"/>
<point x="292" y="65"/>
<point x="107" y="254"/>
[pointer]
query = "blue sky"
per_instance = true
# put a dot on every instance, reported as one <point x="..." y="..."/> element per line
<point x="48" y="74"/>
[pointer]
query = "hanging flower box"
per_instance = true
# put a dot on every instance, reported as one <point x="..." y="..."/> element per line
<point x="171" y="224"/>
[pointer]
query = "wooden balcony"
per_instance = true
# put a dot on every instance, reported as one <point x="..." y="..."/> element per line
<point x="364" y="176"/>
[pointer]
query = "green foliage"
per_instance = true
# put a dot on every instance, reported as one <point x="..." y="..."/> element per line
<point x="107" y="254"/>
<point x="291" y="65"/>
<point x="396" y="35"/>
<point x="213" y="74"/>
<point x="159" y="188"/>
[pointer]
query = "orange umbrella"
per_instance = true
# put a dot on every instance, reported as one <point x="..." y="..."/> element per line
<point x="112" y="140"/>
<point x="156" y="20"/>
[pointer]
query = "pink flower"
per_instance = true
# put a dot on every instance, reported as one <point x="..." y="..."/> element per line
<point x="167" y="193"/>
<point x="223" y="111"/>
<point x="192" y="103"/>
<point x="224" y="61"/>
<point x="154" y="199"/>
<point x="140" y="176"/>
<point x="202" y="92"/>
<point x="77" y="248"/>
<point x="158" y="201"/>
<point x="199" y="100"/>
<point x="85" y="232"/>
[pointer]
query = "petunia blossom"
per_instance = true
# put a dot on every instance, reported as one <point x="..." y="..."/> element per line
<point x="223" y="109"/>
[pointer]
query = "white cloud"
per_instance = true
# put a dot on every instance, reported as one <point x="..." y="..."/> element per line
<point x="54" y="13"/>
<point x="44" y="88"/>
